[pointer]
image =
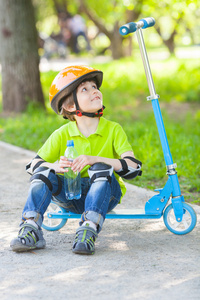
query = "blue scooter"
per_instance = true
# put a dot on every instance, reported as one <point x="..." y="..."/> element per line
<point x="179" y="217"/>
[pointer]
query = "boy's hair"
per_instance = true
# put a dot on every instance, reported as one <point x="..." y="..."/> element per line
<point x="69" y="101"/>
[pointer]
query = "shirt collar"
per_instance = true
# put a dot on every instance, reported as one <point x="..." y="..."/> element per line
<point x="74" y="131"/>
<point x="100" y="128"/>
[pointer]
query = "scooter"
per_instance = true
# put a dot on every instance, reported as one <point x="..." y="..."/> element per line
<point x="179" y="217"/>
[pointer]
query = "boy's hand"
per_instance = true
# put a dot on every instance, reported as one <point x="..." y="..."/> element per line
<point x="63" y="164"/>
<point x="83" y="160"/>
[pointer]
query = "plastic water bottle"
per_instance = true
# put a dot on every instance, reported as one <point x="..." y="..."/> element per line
<point x="72" y="179"/>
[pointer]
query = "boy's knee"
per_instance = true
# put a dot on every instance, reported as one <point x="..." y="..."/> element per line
<point x="100" y="172"/>
<point x="45" y="176"/>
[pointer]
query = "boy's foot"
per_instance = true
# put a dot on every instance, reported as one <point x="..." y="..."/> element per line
<point x="84" y="240"/>
<point x="30" y="237"/>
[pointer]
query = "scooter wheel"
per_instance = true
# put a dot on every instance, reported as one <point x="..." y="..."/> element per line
<point x="188" y="221"/>
<point x="53" y="224"/>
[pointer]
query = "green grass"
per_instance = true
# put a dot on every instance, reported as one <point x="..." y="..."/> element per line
<point x="125" y="91"/>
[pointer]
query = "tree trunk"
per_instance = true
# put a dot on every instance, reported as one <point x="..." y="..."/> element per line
<point x="170" y="44"/>
<point x="116" y="43"/>
<point x="19" y="55"/>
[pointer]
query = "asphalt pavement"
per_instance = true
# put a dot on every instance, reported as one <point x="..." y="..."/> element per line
<point x="134" y="259"/>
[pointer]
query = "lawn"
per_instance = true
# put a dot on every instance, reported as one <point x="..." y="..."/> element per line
<point x="125" y="91"/>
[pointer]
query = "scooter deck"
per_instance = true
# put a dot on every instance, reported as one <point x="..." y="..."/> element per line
<point x="114" y="214"/>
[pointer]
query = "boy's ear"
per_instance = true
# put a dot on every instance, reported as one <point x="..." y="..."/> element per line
<point x="69" y="108"/>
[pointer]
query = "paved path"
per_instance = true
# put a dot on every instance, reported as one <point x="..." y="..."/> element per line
<point x="134" y="259"/>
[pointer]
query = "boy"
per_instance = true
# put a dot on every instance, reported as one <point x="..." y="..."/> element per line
<point x="104" y="154"/>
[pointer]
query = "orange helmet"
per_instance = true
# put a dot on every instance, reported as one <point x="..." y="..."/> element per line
<point x="68" y="80"/>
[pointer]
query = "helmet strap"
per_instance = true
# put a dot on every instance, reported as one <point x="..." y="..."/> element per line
<point x="75" y="99"/>
<point x="78" y="113"/>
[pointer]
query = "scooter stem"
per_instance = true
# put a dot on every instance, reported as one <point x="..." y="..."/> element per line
<point x="145" y="60"/>
<point x="154" y="99"/>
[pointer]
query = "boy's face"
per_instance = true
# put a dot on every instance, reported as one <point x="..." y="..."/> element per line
<point x="90" y="99"/>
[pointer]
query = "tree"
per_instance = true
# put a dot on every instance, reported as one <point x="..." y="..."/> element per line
<point x="168" y="17"/>
<point x="19" y="55"/>
<point x="174" y="18"/>
<point x="107" y="16"/>
<point x="113" y="12"/>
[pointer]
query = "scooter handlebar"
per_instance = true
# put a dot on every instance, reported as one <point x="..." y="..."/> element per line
<point x="132" y="27"/>
<point x="148" y="22"/>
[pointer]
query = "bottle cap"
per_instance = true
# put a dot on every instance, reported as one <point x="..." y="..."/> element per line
<point x="70" y="143"/>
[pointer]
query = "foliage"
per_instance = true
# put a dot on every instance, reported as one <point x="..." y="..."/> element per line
<point x="177" y="22"/>
<point x="175" y="80"/>
<point x="46" y="18"/>
<point x="30" y="129"/>
<point x="125" y="92"/>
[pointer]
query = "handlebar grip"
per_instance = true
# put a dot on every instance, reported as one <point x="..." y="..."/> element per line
<point x="148" y="22"/>
<point x="132" y="27"/>
<point x="128" y="28"/>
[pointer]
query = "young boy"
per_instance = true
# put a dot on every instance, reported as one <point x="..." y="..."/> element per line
<point x="104" y="156"/>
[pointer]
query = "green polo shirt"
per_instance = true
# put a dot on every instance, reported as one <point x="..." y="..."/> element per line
<point x="109" y="141"/>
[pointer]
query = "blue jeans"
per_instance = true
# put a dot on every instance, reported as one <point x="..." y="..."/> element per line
<point x="96" y="199"/>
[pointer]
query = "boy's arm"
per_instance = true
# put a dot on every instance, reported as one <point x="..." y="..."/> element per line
<point x="128" y="161"/>
<point x="115" y="163"/>
<point x="84" y="160"/>
<point x="59" y="167"/>
<point x="80" y="162"/>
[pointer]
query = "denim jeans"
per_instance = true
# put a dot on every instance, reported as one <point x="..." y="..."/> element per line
<point x="96" y="199"/>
